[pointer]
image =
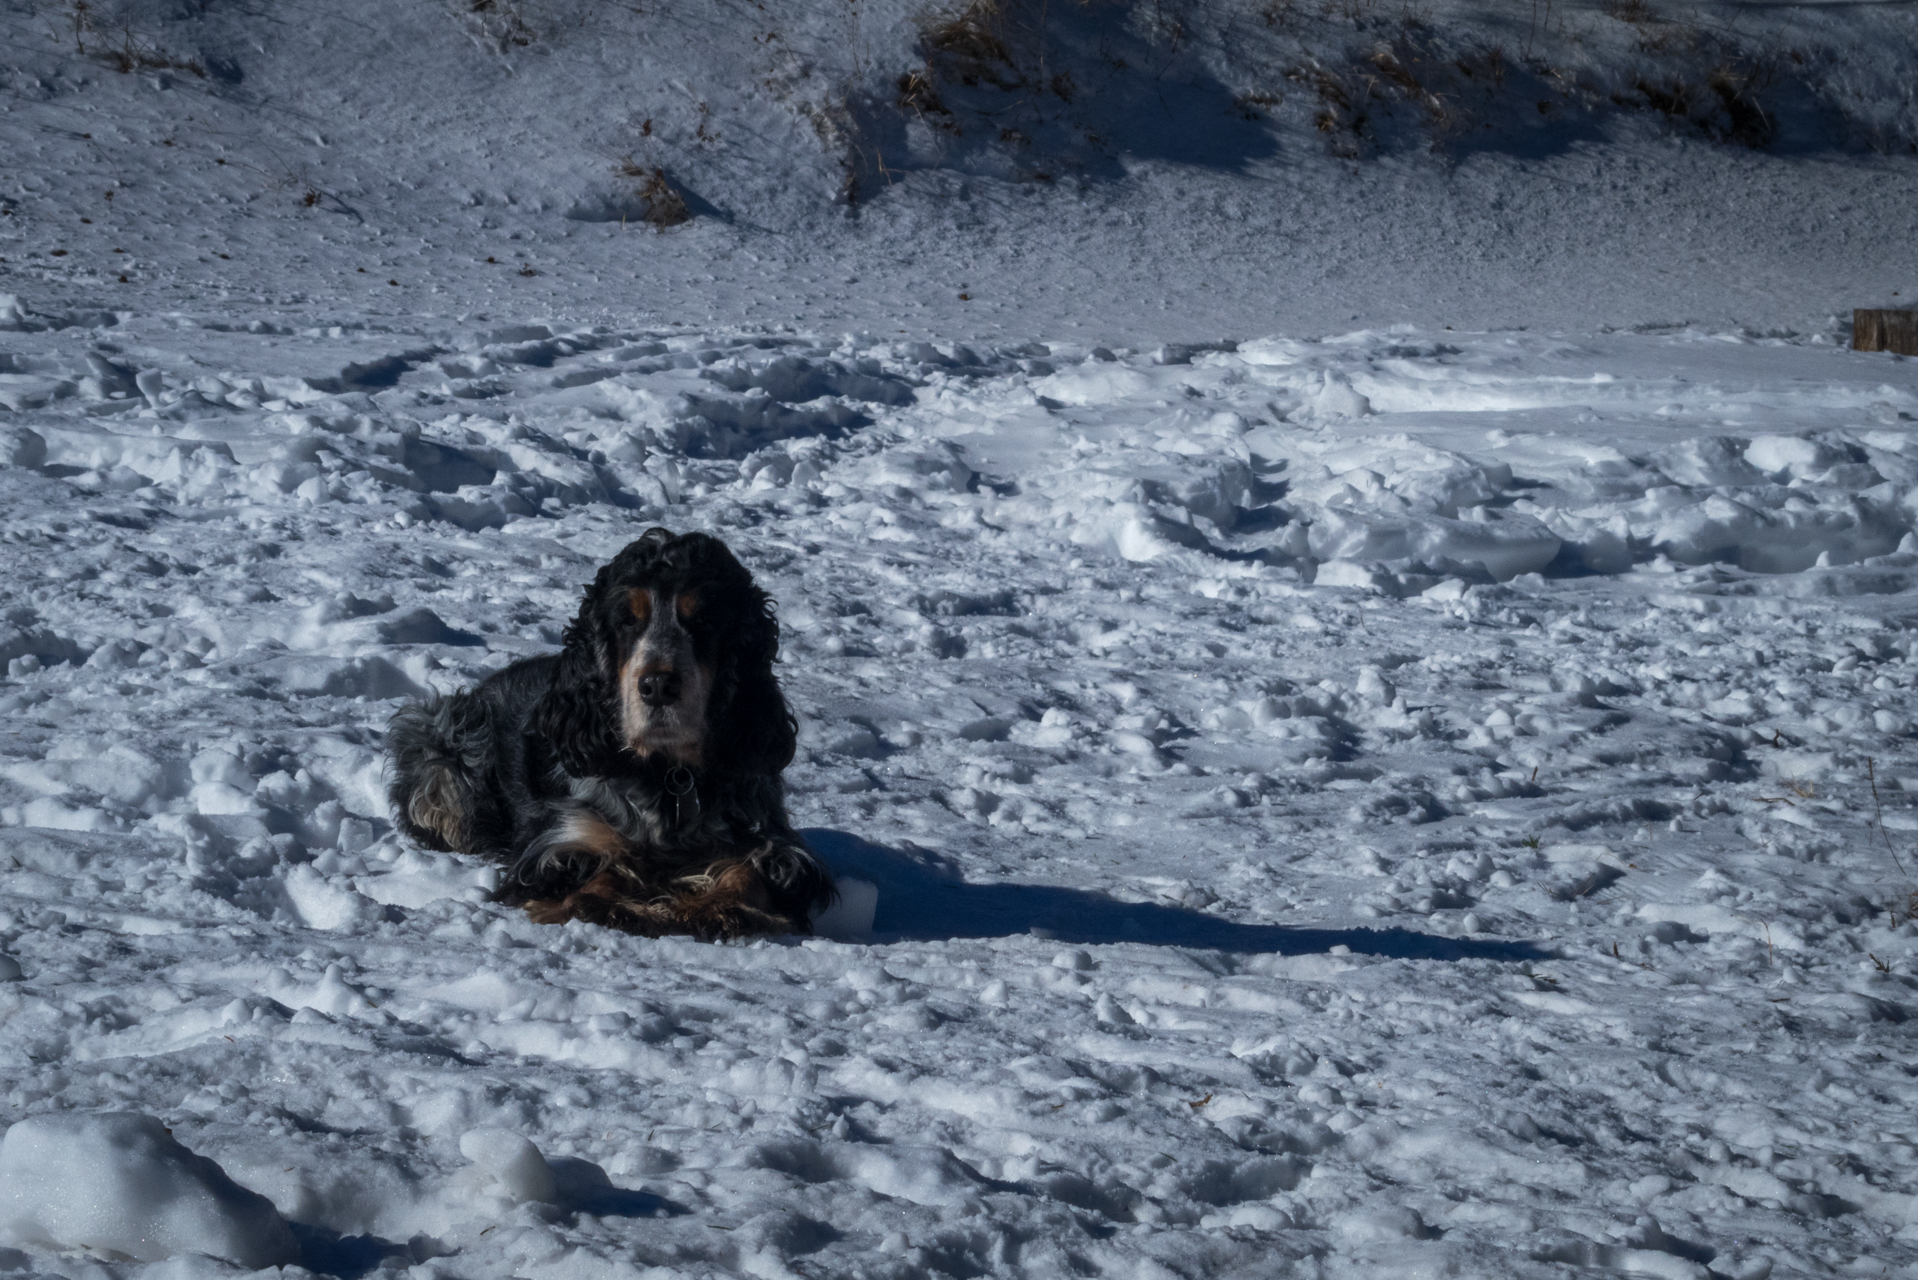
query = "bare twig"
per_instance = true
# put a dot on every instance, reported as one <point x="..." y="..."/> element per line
<point x="1878" y="810"/>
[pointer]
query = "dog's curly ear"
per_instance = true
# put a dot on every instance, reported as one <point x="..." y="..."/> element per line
<point x="755" y="723"/>
<point x="575" y="715"/>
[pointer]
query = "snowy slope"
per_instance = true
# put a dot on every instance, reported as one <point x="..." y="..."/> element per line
<point x="1195" y="175"/>
<point x="1368" y="660"/>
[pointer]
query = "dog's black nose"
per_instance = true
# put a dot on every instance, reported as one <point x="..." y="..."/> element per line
<point x="659" y="688"/>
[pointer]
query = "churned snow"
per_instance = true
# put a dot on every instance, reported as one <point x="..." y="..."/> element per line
<point x="1400" y="800"/>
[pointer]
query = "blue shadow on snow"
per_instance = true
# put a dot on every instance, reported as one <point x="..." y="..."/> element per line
<point x="922" y="898"/>
<point x="583" y="1188"/>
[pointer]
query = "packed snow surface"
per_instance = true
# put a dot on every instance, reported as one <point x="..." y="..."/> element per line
<point x="1403" y="802"/>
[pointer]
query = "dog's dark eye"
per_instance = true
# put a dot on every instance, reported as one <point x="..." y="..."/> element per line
<point x="639" y="603"/>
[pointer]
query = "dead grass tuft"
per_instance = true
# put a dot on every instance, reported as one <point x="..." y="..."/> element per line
<point x="1340" y="116"/>
<point x="1636" y="12"/>
<point x="1486" y="65"/>
<point x="1253" y="105"/>
<point x="973" y="42"/>
<point x="1725" y="105"/>
<point x="1737" y="86"/>
<point x="665" y="206"/>
<point x="503" y="22"/>
<point x="1910" y="893"/>
<point x="125" y="53"/>
<point x="1278" y="13"/>
<point x="919" y="95"/>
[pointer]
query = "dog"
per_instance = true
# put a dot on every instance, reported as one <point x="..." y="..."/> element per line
<point x="633" y="778"/>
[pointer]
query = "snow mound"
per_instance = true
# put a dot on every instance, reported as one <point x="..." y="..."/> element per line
<point x="507" y="1164"/>
<point x="121" y="1184"/>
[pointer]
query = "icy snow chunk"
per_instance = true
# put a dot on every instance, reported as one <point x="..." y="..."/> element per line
<point x="50" y="813"/>
<point x="1350" y="573"/>
<point x="1213" y="490"/>
<point x="119" y="772"/>
<point x="1788" y="457"/>
<point x="20" y="391"/>
<point x="1712" y="461"/>
<point x="20" y="447"/>
<point x="1505" y="543"/>
<point x="1094" y="384"/>
<point x="508" y="1164"/>
<point x="1366" y="1226"/>
<point x="115" y="655"/>
<point x="120" y="1183"/>
<point x="1273" y="351"/>
<point x="216" y="799"/>
<point x="507" y="333"/>
<point x="322" y="904"/>
<point x="1375" y="688"/>
<point x="860" y="743"/>
<point x="26" y="641"/>
<point x="369" y="676"/>
<point x="986" y="729"/>
<point x="931" y="470"/>
<point x="334" y="995"/>
<point x="1260" y="1217"/>
<point x="419" y="877"/>
<point x="1704" y="920"/>
<point x="1336" y="399"/>
<point x="923" y="1175"/>
<point x="222" y="765"/>
<point x="221" y="783"/>
<point x="9" y="969"/>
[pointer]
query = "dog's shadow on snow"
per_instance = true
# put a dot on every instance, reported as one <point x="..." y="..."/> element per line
<point x="922" y="898"/>
<point x="583" y="1188"/>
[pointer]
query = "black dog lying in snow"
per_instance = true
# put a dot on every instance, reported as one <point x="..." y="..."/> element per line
<point x="632" y="779"/>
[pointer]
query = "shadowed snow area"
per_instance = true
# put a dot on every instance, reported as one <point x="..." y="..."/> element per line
<point x="1394" y="802"/>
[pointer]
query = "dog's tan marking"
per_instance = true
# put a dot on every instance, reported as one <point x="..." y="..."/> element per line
<point x="586" y="832"/>
<point x="640" y="601"/>
<point x="687" y="604"/>
<point x="729" y="899"/>
<point x="597" y="902"/>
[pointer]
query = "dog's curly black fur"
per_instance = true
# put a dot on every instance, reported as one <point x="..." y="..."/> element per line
<point x="632" y="779"/>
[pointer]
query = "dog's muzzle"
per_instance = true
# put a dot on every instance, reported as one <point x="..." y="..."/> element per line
<point x="660" y="688"/>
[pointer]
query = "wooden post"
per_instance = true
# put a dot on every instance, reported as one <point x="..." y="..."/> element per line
<point x="1885" y="331"/>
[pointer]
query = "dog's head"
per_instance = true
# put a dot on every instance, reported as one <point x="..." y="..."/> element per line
<point x="670" y="660"/>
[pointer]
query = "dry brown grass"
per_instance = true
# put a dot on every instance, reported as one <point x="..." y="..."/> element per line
<point x="665" y="206"/>
<point x="973" y="42"/>
<point x="919" y="95"/>
<point x="1906" y="898"/>
<point x="503" y="22"/>
<point x="126" y="52"/>
<point x="1636" y="12"/>
<point x="1255" y="105"/>
<point x="1724" y="103"/>
<point x="1737" y="86"/>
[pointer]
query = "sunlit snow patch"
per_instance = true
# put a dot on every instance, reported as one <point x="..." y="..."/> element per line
<point x="120" y="1185"/>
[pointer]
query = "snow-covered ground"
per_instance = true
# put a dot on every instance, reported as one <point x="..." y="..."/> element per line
<point x="1371" y="666"/>
<point x="1401" y="800"/>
